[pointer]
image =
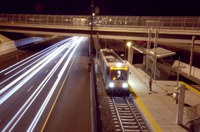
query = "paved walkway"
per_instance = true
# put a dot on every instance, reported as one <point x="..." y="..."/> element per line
<point x="158" y="107"/>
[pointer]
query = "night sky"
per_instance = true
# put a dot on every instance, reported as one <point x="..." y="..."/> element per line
<point x="106" y="7"/>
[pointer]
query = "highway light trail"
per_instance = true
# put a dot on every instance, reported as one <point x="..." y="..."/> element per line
<point x="28" y="59"/>
<point x="29" y="74"/>
<point x="43" y="54"/>
<point x="20" y="113"/>
<point x="42" y="108"/>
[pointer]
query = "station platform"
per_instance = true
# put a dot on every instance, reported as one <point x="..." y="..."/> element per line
<point x="158" y="106"/>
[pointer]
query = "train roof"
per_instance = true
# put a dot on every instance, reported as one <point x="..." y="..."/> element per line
<point x="111" y="58"/>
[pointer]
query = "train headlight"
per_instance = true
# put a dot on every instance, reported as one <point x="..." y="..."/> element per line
<point x="125" y="85"/>
<point x="119" y="64"/>
<point x="111" y="84"/>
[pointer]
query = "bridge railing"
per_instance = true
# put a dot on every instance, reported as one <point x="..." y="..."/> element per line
<point x="159" y="22"/>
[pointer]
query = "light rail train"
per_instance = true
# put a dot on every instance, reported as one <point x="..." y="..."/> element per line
<point x="114" y="72"/>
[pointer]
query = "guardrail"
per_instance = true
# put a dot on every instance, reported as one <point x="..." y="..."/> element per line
<point x="159" y="22"/>
<point x="96" y="124"/>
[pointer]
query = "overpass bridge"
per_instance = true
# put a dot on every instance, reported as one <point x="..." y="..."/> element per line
<point x="174" y="29"/>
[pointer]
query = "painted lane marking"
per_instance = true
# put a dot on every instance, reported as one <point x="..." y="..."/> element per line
<point x="46" y="71"/>
<point x="29" y="88"/>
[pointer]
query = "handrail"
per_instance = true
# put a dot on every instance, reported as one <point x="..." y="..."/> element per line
<point x="190" y="87"/>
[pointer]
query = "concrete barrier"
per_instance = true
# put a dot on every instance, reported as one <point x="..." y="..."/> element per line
<point x="6" y="45"/>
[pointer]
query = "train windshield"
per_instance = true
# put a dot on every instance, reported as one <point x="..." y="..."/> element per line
<point x="118" y="75"/>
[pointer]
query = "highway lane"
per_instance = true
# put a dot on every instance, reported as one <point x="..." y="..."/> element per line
<point x="26" y="76"/>
<point x="24" y="102"/>
<point x="25" y="64"/>
<point x="72" y="109"/>
<point x="11" y="105"/>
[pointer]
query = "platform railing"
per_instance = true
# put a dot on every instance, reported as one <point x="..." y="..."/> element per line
<point x="159" y="22"/>
<point x="192" y="117"/>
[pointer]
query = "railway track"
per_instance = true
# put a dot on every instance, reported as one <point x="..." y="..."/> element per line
<point x="126" y="116"/>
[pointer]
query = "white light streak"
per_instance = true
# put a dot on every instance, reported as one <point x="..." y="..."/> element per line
<point x="28" y="58"/>
<point x="28" y="74"/>
<point x="54" y="46"/>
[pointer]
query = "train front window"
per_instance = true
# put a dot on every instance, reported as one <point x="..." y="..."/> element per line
<point x="118" y="75"/>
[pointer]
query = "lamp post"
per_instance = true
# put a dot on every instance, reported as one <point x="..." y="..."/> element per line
<point x="155" y="54"/>
<point x="91" y="38"/>
<point x="148" y="48"/>
<point x="178" y="71"/>
<point x="91" y="33"/>
<point x="191" y="54"/>
<point x="129" y="44"/>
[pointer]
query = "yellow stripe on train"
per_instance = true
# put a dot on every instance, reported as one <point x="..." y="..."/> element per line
<point x="119" y="68"/>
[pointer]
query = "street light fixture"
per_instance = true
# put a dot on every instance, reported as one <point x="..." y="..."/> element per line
<point x="93" y="14"/>
<point x="129" y="43"/>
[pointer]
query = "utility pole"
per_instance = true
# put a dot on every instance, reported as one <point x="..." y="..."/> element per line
<point x="97" y="45"/>
<point x="148" y="47"/>
<point x="191" y="54"/>
<point x="91" y="38"/>
<point x="155" y="53"/>
<point x="177" y="81"/>
<point x="91" y="34"/>
<point x="178" y="71"/>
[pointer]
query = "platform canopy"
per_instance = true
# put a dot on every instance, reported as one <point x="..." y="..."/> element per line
<point x="160" y="52"/>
